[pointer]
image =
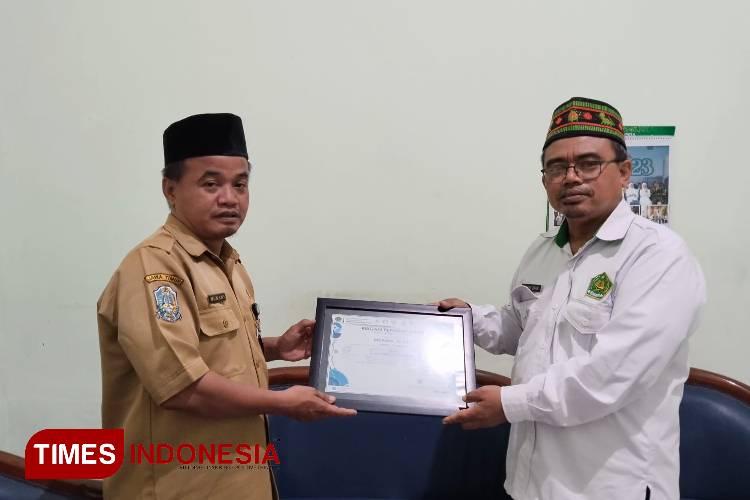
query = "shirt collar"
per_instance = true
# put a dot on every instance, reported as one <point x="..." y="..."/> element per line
<point x="192" y="244"/>
<point x="563" y="235"/>
<point x="613" y="229"/>
<point x="617" y="224"/>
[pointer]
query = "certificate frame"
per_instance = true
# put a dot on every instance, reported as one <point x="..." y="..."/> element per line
<point x="412" y="404"/>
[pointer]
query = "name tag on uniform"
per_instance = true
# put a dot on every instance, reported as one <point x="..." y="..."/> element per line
<point x="534" y="288"/>
<point x="217" y="298"/>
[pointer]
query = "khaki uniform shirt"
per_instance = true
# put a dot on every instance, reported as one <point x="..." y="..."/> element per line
<point x="171" y="312"/>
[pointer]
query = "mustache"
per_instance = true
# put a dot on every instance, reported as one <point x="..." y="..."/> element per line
<point x="576" y="190"/>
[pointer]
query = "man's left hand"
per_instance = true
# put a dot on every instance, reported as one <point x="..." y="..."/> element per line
<point x="296" y="343"/>
<point x="486" y="412"/>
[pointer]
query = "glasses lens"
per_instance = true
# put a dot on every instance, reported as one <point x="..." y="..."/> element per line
<point x="554" y="173"/>
<point x="589" y="169"/>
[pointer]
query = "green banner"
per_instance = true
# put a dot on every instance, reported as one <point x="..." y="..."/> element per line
<point x="649" y="130"/>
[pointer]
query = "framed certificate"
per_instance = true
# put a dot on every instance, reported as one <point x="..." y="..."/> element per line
<point x="389" y="357"/>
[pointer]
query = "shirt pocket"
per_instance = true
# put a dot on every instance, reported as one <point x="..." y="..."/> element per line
<point x="221" y="341"/>
<point x="578" y="333"/>
<point x="523" y="299"/>
<point x="587" y="317"/>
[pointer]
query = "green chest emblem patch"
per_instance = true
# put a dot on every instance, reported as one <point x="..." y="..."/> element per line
<point x="599" y="286"/>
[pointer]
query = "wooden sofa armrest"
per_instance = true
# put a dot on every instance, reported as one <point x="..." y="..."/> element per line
<point x="719" y="382"/>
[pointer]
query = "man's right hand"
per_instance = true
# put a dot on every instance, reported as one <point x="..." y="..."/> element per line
<point x="447" y="304"/>
<point x="307" y="404"/>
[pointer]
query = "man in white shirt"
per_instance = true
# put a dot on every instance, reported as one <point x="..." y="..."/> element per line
<point x="598" y="321"/>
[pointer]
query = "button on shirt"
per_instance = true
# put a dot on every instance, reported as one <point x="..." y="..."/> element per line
<point x="171" y="312"/>
<point x="601" y="357"/>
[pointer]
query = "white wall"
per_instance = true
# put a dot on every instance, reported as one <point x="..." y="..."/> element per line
<point x="395" y="149"/>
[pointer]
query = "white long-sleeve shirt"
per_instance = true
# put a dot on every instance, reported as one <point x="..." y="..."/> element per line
<point x="600" y="340"/>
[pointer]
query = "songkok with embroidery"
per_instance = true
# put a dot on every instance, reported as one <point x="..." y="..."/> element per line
<point x="582" y="116"/>
<point x="211" y="134"/>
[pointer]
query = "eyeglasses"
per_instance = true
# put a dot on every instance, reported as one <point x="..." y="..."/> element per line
<point x="586" y="170"/>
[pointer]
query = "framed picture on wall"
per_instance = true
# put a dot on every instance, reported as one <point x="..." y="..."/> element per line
<point x="648" y="190"/>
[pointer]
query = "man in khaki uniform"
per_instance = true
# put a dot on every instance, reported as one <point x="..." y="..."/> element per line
<point x="183" y="364"/>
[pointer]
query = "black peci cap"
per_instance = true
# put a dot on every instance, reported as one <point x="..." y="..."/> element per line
<point x="204" y="135"/>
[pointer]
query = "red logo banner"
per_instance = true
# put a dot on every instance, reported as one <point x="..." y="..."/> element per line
<point x="74" y="453"/>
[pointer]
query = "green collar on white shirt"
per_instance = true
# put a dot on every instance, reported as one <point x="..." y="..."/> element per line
<point x="613" y="229"/>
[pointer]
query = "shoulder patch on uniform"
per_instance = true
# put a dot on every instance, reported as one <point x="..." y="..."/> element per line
<point x="171" y="278"/>
<point x="167" y="308"/>
<point x="599" y="286"/>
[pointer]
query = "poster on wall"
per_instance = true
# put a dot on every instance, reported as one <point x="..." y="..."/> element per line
<point x="648" y="190"/>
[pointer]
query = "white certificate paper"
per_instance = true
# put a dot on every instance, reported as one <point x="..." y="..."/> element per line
<point x="397" y="354"/>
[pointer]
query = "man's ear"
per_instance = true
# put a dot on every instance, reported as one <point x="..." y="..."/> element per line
<point x="168" y="187"/>
<point x="626" y="169"/>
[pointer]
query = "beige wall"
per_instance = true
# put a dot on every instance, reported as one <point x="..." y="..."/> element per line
<point x="395" y="147"/>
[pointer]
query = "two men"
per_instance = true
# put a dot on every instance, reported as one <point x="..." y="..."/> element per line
<point x="598" y="321"/>
<point x="179" y="330"/>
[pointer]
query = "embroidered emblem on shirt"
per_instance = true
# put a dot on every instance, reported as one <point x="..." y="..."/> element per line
<point x="599" y="286"/>
<point x="217" y="298"/>
<point x="163" y="277"/>
<point x="166" y="304"/>
<point x="534" y="288"/>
